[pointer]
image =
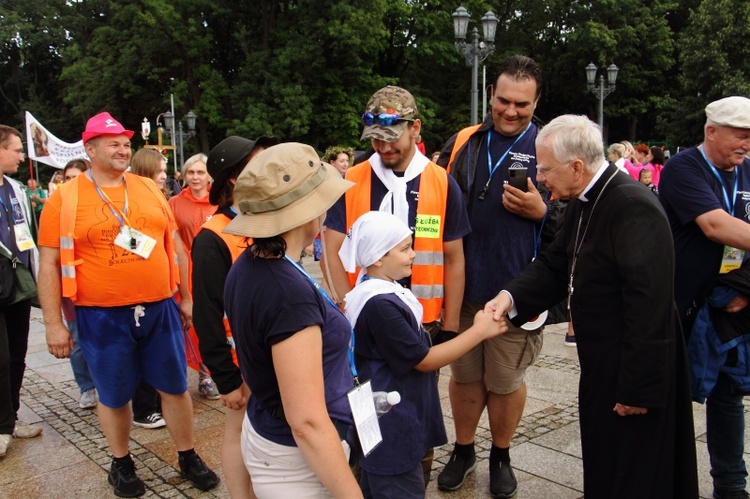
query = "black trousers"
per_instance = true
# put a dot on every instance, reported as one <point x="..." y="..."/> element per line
<point x="14" y="341"/>
<point x="146" y="400"/>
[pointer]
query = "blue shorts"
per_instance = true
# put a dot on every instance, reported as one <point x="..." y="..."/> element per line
<point x="124" y="344"/>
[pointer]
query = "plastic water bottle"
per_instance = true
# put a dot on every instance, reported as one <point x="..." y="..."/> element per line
<point x="384" y="401"/>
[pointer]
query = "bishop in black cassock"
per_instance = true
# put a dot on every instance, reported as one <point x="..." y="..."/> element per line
<point x="614" y="260"/>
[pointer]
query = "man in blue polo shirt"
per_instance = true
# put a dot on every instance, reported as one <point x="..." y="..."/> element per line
<point x="506" y="227"/>
<point x="705" y="192"/>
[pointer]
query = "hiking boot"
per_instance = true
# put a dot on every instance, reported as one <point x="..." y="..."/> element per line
<point x="453" y="475"/>
<point x="25" y="430"/>
<point x="5" y="443"/>
<point x="208" y="390"/>
<point x="123" y="478"/>
<point x="88" y="399"/>
<point x="194" y="469"/>
<point x="152" y="421"/>
<point x="503" y="482"/>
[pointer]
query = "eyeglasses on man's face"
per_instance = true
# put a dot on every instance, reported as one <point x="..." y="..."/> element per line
<point x="543" y="171"/>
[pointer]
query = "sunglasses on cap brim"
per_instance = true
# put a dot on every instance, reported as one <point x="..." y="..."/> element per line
<point x="383" y="119"/>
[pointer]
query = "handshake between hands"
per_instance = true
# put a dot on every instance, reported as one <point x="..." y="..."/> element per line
<point x="492" y="320"/>
<point x="499" y="307"/>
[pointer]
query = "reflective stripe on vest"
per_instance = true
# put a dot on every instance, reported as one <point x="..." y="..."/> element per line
<point x="427" y="277"/>
<point x="429" y="258"/>
<point x="68" y="262"/>
<point x="461" y="138"/>
<point x="426" y="292"/>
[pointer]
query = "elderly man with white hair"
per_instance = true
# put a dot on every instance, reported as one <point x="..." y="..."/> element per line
<point x="613" y="260"/>
<point x="705" y="192"/>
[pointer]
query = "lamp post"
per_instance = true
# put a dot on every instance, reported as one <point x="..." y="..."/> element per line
<point x="603" y="89"/>
<point x="180" y="135"/>
<point x="474" y="51"/>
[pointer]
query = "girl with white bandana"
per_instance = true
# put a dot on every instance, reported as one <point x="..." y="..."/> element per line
<point x="394" y="352"/>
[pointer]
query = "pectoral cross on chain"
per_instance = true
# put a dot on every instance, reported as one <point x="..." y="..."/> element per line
<point x="570" y="290"/>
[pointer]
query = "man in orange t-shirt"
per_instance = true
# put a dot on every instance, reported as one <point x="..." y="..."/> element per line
<point x="106" y="243"/>
<point x="192" y="209"/>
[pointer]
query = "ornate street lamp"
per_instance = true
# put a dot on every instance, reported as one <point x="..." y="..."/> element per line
<point x="602" y="90"/>
<point x="180" y="135"/>
<point x="475" y="51"/>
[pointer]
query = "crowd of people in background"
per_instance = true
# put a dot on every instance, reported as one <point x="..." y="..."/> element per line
<point x="427" y="262"/>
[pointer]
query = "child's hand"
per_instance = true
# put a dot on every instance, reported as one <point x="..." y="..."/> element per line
<point x="488" y="326"/>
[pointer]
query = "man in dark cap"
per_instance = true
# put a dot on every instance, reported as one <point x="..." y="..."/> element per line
<point x="399" y="179"/>
<point x="213" y="253"/>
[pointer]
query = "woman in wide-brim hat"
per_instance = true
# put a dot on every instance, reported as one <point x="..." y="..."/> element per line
<point x="213" y="253"/>
<point x="292" y="341"/>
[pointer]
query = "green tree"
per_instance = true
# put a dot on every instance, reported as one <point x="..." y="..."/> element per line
<point x="304" y="69"/>
<point x="714" y="63"/>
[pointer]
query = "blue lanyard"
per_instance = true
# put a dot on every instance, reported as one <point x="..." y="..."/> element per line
<point x="325" y="295"/>
<point x="2" y="201"/>
<point x="492" y="169"/>
<point x="121" y="217"/>
<point x="728" y="202"/>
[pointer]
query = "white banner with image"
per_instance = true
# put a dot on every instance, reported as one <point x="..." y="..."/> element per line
<point x="46" y="148"/>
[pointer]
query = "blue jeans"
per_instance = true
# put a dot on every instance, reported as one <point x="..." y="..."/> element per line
<point x="77" y="362"/>
<point x="725" y="432"/>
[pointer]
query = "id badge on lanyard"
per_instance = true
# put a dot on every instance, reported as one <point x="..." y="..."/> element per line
<point x="360" y="398"/>
<point x="731" y="258"/>
<point x="135" y="241"/>
<point x="24" y="241"/>
<point x="23" y="238"/>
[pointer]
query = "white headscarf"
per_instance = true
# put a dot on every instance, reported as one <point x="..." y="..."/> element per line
<point x="373" y="235"/>
<point x="396" y="186"/>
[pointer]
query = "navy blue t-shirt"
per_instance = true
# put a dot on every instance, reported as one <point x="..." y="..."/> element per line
<point x="389" y="343"/>
<point x="688" y="188"/>
<point x="501" y="244"/>
<point x="14" y="211"/>
<point x="267" y="301"/>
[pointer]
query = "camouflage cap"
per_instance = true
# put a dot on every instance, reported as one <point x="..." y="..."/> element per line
<point x="390" y="100"/>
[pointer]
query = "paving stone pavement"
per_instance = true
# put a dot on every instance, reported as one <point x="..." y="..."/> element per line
<point x="70" y="459"/>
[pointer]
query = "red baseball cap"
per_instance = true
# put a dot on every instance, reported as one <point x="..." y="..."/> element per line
<point x="104" y="124"/>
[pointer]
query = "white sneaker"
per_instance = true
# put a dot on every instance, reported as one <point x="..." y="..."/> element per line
<point x="4" y="443"/>
<point x="25" y="430"/>
<point x="88" y="399"/>
<point x="152" y="421"/>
